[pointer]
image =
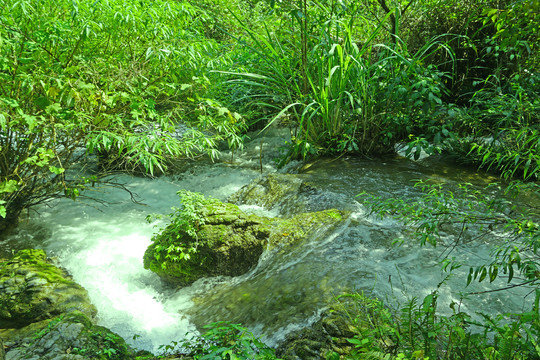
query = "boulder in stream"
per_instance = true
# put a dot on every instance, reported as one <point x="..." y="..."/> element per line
<point x="71" y="336"/>
<point x="209" y="238"/>
<point x="329" y="335"/>
<point x="45" y="315"/>
<point x="32" y="290"/>
<point x="289" y="192"/>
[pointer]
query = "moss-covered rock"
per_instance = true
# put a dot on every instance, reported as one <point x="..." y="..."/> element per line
<point x="349" y="328"/>
<point x="32" y="290"/>
<point x="221" y="239"/>
<point x="289" y="192"/>
<point x="68" y="336"/>
<point x="229" y="243"/>
<point x="326" y="336"/>
<point x="288" y="231"/>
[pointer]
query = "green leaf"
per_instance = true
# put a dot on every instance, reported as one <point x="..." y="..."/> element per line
<point x="3" y="212"/>
<point x="31" y="121"/>
<point x="493" y="273"/>
<point x="56" y="170"/>
<point x="356" y="342"/>
<point x="53" y="108"/>
<point x="8" y="186"/>
<point x="483" y="274"/>
<point x="510" y="272"/>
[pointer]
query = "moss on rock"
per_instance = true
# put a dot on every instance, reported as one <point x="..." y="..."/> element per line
<point x="229" y="243"/>
<point x="326" y="336"/>
<point x="286" y="191"/>
<point x="32" y="290"/>
<point x="68" y="336"/>
<point x="224" y="240"/>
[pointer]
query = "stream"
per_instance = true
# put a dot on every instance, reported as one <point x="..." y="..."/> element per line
<point x="102" y="246"/>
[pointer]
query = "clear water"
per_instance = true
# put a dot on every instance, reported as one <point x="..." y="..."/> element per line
<point x="102" y="247"/>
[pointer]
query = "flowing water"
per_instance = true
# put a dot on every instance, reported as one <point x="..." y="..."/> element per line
<point x="102" y="246"/>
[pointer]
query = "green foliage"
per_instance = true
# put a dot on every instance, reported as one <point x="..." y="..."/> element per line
<point x="111" y="78"/>
<point x="504" y="133"/>
<point x="52" y="324"/>
<point x="465" y="213"/>
<point x="111" y="345"/>
<point x="224" y="340"/>
<point x="178" y="241"/>
<point x="496" y="82"/>
<point x="344" y="93"/>
<point x="417" y="331"/>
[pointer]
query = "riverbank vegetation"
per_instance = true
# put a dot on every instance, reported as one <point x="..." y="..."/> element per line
<point x="137" y="84"/>
<point x="88" y="89"/>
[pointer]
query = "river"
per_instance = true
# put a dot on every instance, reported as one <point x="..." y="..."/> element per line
<point x="102" y="245"/>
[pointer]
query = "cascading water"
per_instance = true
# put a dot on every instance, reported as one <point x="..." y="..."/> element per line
<point x="102" y="246"/>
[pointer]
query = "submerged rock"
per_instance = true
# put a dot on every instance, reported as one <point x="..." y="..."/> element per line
<point x="223" y="240"/>
<point x="289" y="192"/>
<point x="354" y="326"/>
<point x="32" y="290"/>
<point x="329" y="335"/>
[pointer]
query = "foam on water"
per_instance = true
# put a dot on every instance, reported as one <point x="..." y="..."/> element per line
<point x="103" y="250"/>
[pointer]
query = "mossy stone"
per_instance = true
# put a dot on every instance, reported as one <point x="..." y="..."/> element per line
<point x="289" y="192"/>
<point x="32" y="290"/>
<point x="229" y="242"/>
<point x="69" y="336"/>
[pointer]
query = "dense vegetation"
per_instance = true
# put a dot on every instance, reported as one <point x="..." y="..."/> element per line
<point x="109" y="79"/>
<point x="91" y="88"/>
<point x="139" y="83"/>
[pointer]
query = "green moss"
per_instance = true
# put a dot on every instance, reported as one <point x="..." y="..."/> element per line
<point x="295" y="229"/>
<point x="335" y="214"/>
<point x="35" y="261"/>
<point x="224" y="240"/>
<point x="34" y="290"/>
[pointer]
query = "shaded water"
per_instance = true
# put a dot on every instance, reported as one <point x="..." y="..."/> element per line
<point x="103" y="246"/>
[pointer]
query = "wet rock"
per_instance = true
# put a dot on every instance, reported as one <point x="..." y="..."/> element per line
<point x="326" y="336"/>
<point x="228" y="241"/>
<point x="32" y="290"/>
<point x="70" y="336"/>
<point x="289" y="192"/>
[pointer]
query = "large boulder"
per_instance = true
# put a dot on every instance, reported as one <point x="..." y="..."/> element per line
<point x="228" y="243"/>
<point x="32" y="290"/>
<point x="216" y="238"/>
